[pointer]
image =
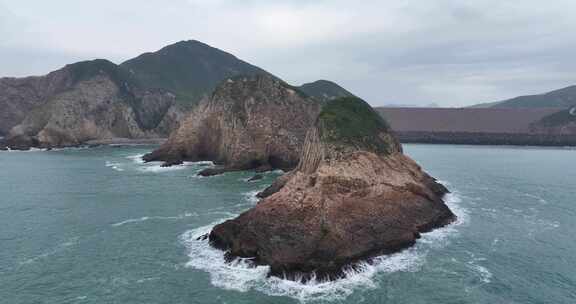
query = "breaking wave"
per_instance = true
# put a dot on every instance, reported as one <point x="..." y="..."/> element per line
<point x="26" y="151"/>
<point x="148" y="218"/>
<point x="239" y="276"/>
<point x="136" y="158"/>
<point x="156" y="167"/>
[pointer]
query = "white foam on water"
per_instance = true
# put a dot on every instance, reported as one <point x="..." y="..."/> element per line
<point x="59" y="248"/>
<point x="537" y="198"/>
<point x="439" y="238"/>
<point x="156" y="167"/>
<point x="26" y="151"/>
<point x="114" y="165"/>
<point x="481" y="272"/>
<point x="147" y="218"/>
<point x="47" y="150"/>
<point x="239" y="276"/>
<point x="144" y="280"/>
<point x="276" y="171"/>
<point x="204" y="163"/>
<point x="251" y="196"/>
<point x="234" y="276"/>
<point x="136" y="158"/>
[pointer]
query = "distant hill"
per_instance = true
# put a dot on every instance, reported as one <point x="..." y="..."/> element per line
<point x="561" y="122"/>
<point x="484" y="105"/>
<point x="324" y="90"/>
<point x="189" y="69"/>
<point x="488" y="120"/>
<point x="563" y="98"/>
<point x="484" y="126"/>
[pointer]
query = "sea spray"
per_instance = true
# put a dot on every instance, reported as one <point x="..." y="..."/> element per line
<point x="240" y="275"/>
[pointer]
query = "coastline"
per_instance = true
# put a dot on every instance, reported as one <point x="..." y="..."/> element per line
<point x="126" y="141"/>
<point x="487" y="139"/>
<point x="95" y="143"/>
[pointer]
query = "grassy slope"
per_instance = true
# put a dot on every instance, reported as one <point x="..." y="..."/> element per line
<point x="324" y="90"/>
<point x="190" y="69"/>
<point x="562" y="98"/>
<point x="351" y="121"/>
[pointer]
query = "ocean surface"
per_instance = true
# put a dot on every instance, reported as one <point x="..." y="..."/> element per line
<point x="99" y="226"/>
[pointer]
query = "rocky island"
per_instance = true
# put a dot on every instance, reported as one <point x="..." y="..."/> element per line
<point x="257" y="122"/>
<point x="353" y="195"/>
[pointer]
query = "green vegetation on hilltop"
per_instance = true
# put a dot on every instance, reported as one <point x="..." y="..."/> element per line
<point x="86" y="70"/>
<point x="324" y="90"/>
<point x="562" y="98"/>
<point x="189" y="69"/>
<point x="351" y="121"/>
<point x="559" y="118"/>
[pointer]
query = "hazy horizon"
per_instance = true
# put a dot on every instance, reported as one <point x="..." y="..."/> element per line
<point x="444" y="52"/>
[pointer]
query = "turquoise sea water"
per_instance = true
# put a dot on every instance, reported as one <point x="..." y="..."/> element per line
<point x="98" y="226"/>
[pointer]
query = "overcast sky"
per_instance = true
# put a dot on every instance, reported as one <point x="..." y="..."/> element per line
<point x="448" y="52"/>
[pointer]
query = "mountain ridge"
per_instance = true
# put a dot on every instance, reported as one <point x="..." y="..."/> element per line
<point x="156" y="89"/>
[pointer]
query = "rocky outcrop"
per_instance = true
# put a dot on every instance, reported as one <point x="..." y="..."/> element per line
<point x="99" y="101"/>
<point x="18" y="96"/>
<point x="353" y="195"/>
<point x="247" y="123"/>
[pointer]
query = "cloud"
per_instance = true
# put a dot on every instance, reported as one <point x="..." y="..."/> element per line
<point x="452" y="52"/>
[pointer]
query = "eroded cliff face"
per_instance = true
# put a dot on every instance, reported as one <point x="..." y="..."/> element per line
<point x="18" y="96"/>
<point x="353" y="195"/>
<point x="96" y="101"/>
<point x="248" y="122"/>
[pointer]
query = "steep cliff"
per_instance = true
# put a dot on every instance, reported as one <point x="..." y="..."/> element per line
<point x="248" y="122"/>
<point x="353" y="195"/>
<point x="18" y="96"/>
<point x="97" y="100"/>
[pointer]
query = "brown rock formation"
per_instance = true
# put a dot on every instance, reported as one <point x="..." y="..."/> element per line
<point x="18" y="96"/>
<point x="248" y="122"/>
<point x="353" y="195"/>
<point x="95" y="100"/>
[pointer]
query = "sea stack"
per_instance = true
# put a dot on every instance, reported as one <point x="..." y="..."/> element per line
<point x="354" y="195"/>
<point x="250" y="122"/>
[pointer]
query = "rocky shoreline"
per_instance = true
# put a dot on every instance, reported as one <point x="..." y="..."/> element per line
<point x="4" y="146"/>
<point x="354" y="195"/>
